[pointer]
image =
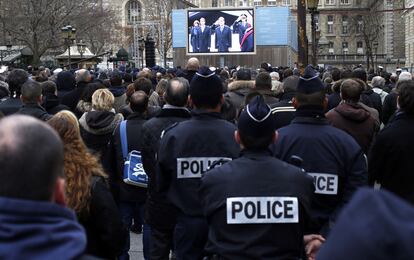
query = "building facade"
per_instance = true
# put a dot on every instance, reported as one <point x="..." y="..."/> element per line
<point x="409" y="34"/>
<point x="349" y="30"/>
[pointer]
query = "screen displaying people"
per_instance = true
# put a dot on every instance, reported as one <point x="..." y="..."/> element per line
<point x="221" y="31"/>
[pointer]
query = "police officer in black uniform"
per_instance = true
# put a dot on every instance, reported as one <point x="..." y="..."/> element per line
<point x="187" y="150"/>
<point x="331" y="156"/>
<point x="256" y="205"/>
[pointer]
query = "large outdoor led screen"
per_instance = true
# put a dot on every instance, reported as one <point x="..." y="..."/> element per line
<point x="220" y="31"/>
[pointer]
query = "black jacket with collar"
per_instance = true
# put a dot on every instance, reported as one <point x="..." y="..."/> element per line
<point x="35" y="110"/>
<point x="159" y="212"/>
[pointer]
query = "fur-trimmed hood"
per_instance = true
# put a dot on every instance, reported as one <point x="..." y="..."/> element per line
<point x="241" y="84"/>
<point x="100" y="122"/>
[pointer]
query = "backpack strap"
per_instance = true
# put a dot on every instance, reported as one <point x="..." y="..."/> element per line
<point x="124" y="141"/>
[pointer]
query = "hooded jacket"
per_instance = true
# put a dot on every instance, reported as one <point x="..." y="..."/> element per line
<point x="97" y="128"/>
<point x="39" y="230"/>
<point x="356" y="121"/>
<point x="120" y="97"/>
<point x="65" y="82"/>
<point x="237" y="92"/>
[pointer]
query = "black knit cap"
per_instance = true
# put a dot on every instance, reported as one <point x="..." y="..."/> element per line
<point x="257" y="119"/>
<point x="206" y="88"/>
<point x="310" y="82"/>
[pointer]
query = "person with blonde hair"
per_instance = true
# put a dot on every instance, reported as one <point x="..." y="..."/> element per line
<point x="87" y="192"/>
<point x="97" y="125"/>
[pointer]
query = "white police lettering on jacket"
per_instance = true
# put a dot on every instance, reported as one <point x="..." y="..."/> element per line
<point x="260" y="210"/>
<point x="194" y="167"/>
<point x="325" y="183"/>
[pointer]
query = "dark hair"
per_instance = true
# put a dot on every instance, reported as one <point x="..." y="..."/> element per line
<point x="116" y="78"/>
<point x="244" y="74"/>
<point x="346" y="74"/>
<point x="48" y="87"/>
<point x="263" y="81"/>
<point x="255" y="143"/>
<point x="406" y="96"/>
<point x="336" y="74"/>
<point x="177" y="94"/>
<point x="138" y="102"/>
<point x="31" y="91"/>
<point x="315" y="99"/>
<point x="287" y="73"/>
<point x="351" y="90"/>
<point x="360" y="74"/>
<point x="143" y="84"/>
<point x="128" y="78"/>
<point x="89" y="90"/>
<point x="4" y="92"/>
<point x="31" y="158"/>
<point x="16" y="79"/>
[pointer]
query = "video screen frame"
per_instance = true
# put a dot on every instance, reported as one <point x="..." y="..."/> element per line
<point x="211" y="17"/>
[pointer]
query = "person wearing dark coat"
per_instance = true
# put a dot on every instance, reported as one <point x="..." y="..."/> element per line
<point x="65" y="83"/>
<point x="237" y="197"/>
<point x="204" y="142"/>
<point x="35" y="223"/>
<point x="223" y="36"/>
<point x="98" y="125"/>
<point x="71" y="99"/>
<point x="263" y="85"/>
<point x="352" y="117"/>
<point x="331" y="156"/>
<point x="32" y="98"/>
<point x="204" y="36"/>
<point x="247" y="43"/>
<point x="240" y="88"/>
<point x="118" y="90"/>
<point x="241" y="26"/>
<point x="15" y="79"/>
<point x="194" y="35"/>
<point x="374" y="225"/>
<point x="129" y="197"/>
<point x="160" y="214"/>
<point x="284" y="111"/>
<point x="390" y="159"/>
<point x="51" y="101"/>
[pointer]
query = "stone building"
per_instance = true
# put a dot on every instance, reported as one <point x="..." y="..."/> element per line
<point x="340" y="26"/>
<point x="409" y="34"/>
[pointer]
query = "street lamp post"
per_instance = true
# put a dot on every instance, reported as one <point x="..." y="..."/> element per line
<point x="81" y="49"/>
<point x="313" y="10"/>
<point x="69" y="34"/>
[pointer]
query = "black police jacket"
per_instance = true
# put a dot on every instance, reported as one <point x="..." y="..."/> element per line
<point x="331" y="156"/>
<point x="256" y="207"/>
<point x="187" y="150"/>
<point x="159" y="212"/>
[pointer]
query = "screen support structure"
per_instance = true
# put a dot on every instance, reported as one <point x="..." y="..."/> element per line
<point x="137" y="26"/>
<point x="221" y="61"/>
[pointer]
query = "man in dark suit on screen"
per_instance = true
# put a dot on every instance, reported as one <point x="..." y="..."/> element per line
<point x="204" y="36"/>
<point x="223" y="36"/>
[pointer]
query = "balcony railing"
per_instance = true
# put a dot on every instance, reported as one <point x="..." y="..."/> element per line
<point x="350" y="57"/>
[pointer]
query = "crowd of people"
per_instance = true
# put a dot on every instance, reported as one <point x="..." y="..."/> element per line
<point x="267" y="163"/>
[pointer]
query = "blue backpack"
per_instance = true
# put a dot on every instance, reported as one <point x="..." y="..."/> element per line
<point x="134" y="173"/>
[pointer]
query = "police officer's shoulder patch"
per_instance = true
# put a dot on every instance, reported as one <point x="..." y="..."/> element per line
<point x="168" y="129"/>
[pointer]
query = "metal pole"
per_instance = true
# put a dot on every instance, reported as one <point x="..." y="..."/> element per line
<point x="314" y="45"/>
<point x="162" y="36"/>
<point x="221" y="61"/>
<point x="69" y="61"/>
<point x="302" y="42"/>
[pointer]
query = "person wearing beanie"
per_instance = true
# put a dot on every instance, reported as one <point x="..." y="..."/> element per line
<point x="332" y="157"/>
<point x="186" y="151"/>
<point x="284" y="111"/>
<point x="375" y="225"/>
<point x="256" y="196"/>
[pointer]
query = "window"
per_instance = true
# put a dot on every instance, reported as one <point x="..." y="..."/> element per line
<point x="286" y="2"/>
<point x="345" y="2"/>
<point x="317" y="22"/>
<point x="133" y="11"/>
<point x="330" y="29"/>
<point x="360" y="24"/>
<point x="257" y="3"/>
<point x="228" y="3"/>
<point x="360" y="47"/>
<point x="344" y="24"/>
<point x="271" y="2"/>
<point x="214" y="3"/>
<point x="330" y="2"/>
<point x="331" y="48"/>
<point x="345" y="48"/>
